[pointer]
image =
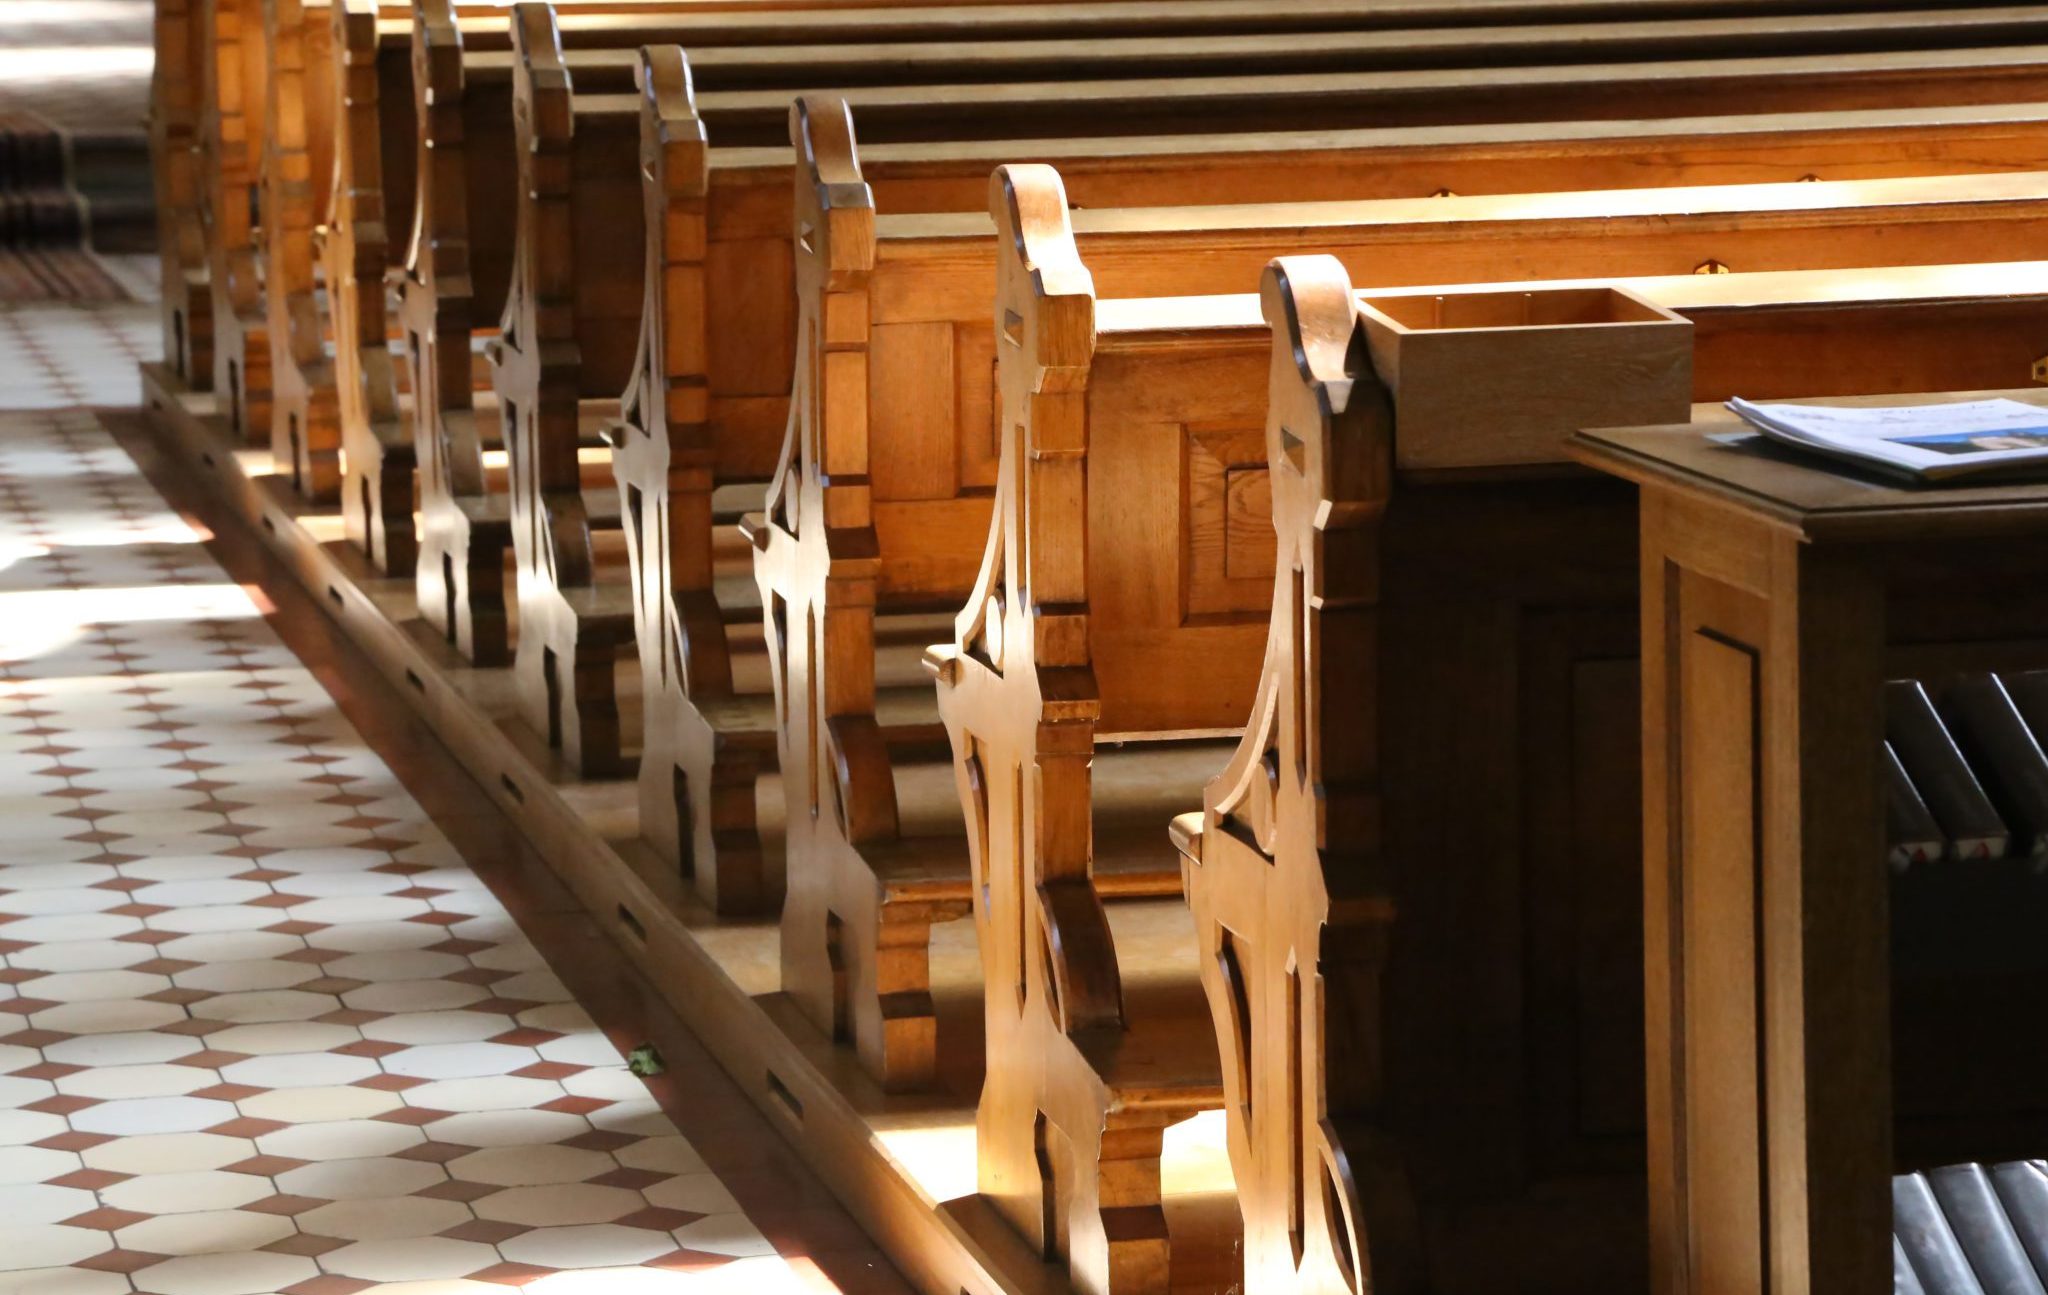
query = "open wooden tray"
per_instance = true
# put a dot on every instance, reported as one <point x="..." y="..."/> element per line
<point x="1571" y="357"/>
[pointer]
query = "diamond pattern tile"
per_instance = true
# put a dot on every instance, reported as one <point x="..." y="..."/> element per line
<point x="261" y="1030"/>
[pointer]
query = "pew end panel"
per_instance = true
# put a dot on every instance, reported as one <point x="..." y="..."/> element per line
<point x="230" y="129"/>
<point x="296" y="182"/>
<point x="355" y="247"/>
<point x="705" y="746"/>
<point x="1284" y="866"/>
<point x="464" y="527"/>
<point x="573" y="624"/>
<point x="1085" y="1068"/>
<point x="177" y="82"/>
<point x="863" y="892"/>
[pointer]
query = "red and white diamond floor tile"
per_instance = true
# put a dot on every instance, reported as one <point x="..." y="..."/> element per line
<point x="261" y="1029"/>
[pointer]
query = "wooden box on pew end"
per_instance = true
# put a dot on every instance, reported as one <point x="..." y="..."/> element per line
<point x="1502" y="377"/>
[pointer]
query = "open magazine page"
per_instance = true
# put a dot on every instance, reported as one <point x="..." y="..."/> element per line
<point x="1991" y="437"/>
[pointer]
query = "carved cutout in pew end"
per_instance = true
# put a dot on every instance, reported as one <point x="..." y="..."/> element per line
<point x="1082" y="1082"/>
<point x="706" y="746"/>
<point x="862" y="899"/>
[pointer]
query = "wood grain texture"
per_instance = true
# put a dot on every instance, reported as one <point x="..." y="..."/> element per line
<point x="854" y="946"/>
<point x="463" y="532"/>
<point x="1770" y="1125"/>
<point x="750" y="368"/>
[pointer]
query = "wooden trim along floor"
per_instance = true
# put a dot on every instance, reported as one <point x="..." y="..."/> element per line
<point x="902" y="1167"/>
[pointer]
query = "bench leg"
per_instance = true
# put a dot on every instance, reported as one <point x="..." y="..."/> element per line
<point x="461" y="585"/>
<point x="1109" y="1193"/>
<point x="376" y="503"/>
<point x="698" y="792"/>
<point x="859" y="963"/>
<point x="569" y="688"/>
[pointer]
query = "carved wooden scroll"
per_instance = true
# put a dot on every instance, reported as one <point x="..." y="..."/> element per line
<point x="355" y="248"/>
<point x="703" y="746"/>
<point x="572" y="623"/>
<point x="1067" y="1154"/>
<point x="463" y="529"/>
<point x="305" y="426"/>
<point x="176" y="85"/>
<point x="1284" y="868"/>
<point x="230" y="126"/>
<point x="855" y="939"/>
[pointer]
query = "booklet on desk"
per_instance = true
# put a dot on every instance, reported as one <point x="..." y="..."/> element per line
<point x="1969" y="440"/>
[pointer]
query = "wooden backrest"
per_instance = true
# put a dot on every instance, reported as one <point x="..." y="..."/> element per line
<point x="1061" y="49"/>
<point x="1622" y="91"/>
<point x="926" y="444"/>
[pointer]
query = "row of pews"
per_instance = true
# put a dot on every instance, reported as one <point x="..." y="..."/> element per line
<point x="1098" y="470"/>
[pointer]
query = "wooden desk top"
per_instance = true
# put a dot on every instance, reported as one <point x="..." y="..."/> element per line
<point x="1789" y="489"/>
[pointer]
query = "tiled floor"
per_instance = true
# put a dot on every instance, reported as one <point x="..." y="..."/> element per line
<point x="261" y="1028"/>
<point x="265" y="1031"/>
<point x="57" y="356"/>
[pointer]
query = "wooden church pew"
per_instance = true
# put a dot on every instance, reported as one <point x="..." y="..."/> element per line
<point x="725" y="232"/>
<point x="682" y="629"/>
<point x="915" y="451"/>
<point x="543" y="701"/>
<point x="1100" y="407"/>
<point x="714" y="29"/>
<point x="299" y="144"/>
<point x="581" y="644"/>
<point x="1260" y="889"/>
<point x="365" y="229"/>
<point x="483" y="28"/>
<point x="231" y="129"/>
<point x="1084" y="1077"/>
<point x="487" y="243"/>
